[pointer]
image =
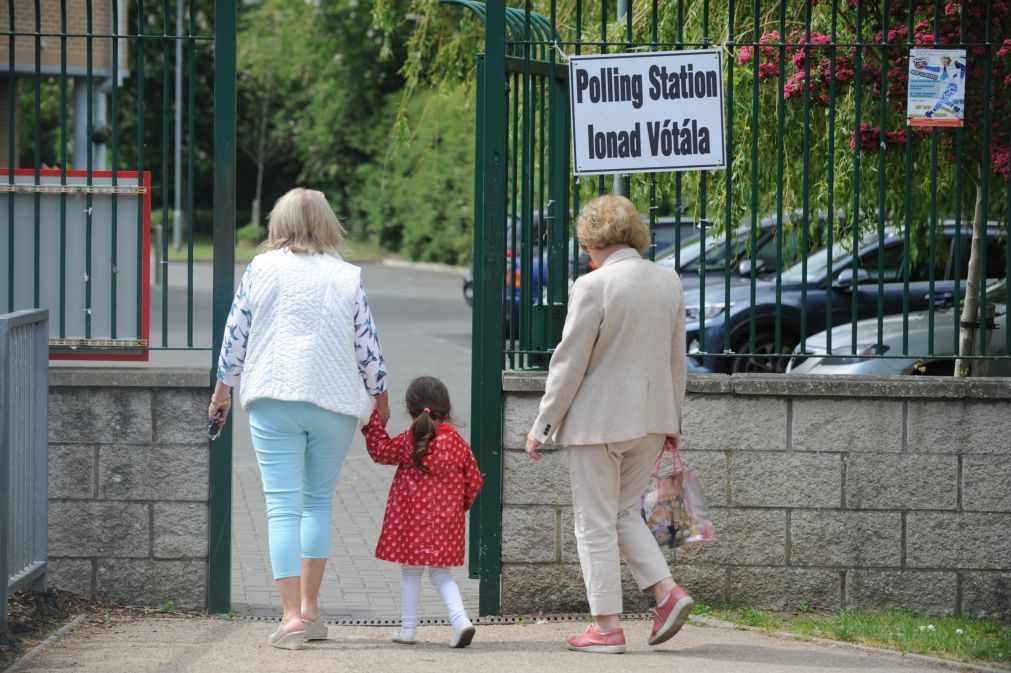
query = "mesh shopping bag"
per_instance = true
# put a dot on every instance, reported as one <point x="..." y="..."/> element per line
<point x="674" y="506"/>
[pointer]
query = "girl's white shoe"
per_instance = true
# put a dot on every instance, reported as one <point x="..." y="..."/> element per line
<point x="404" y="636"/>
<point x="463" y="633"/>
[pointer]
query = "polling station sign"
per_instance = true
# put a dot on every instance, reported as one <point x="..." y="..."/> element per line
<point x="649" y="112"/>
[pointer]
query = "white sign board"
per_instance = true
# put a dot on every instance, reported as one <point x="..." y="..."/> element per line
<point x="936" y="87"/>
<point x="647" y="113"/>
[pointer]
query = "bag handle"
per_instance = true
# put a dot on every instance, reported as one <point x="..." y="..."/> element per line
<point x="670" y="445"/>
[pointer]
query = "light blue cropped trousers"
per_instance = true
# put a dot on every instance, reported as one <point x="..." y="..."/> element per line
<point x="300" y="449"/>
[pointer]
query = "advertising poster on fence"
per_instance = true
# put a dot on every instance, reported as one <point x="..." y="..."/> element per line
<point x="645" y="113"/>
<point x="936" y="87"/>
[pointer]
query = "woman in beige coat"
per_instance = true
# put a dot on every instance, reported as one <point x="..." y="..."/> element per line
<point x="614" y="393"/>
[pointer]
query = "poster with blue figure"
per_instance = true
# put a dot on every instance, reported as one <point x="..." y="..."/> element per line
<point x="936" y="87"/>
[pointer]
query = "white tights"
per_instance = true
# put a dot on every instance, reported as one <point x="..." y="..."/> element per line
<point x="410" y="589"/>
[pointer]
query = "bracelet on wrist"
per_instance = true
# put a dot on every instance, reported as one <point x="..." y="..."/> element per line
<point x="227" y="402"/>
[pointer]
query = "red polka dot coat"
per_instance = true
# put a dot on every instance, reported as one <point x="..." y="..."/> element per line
<point x="425" y="513"/>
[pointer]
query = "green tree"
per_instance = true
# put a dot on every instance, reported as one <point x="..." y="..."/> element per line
<point x="417" y="194"/>
<point x="278" y="54"/>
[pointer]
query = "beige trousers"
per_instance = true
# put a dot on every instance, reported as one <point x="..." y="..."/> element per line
<point x="608" y="481"/>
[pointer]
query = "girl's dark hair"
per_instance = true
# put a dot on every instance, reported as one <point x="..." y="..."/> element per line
<point x="428" y="402"/>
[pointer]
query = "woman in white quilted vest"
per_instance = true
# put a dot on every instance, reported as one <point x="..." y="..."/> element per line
<point x="300" y="334"/>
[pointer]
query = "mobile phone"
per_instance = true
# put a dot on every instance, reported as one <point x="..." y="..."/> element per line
<point x="214" y="427"/>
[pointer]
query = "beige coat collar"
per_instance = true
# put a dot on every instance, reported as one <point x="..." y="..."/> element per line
<point x="619" y="255"/>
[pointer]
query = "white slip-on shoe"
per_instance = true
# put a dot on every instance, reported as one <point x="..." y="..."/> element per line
<point x="404" y="636"/>
<point x="463" y="634"/>
<point x="283" y="640"/>
<point x="315" y="630"/>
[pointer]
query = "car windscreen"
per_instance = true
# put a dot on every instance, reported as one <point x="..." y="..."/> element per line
<point x="817" y="265"/>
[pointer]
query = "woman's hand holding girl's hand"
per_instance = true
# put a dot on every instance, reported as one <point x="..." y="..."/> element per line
<point x="531" y="448"/>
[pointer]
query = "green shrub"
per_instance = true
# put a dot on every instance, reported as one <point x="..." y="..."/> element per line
<point x="250" y="234"/>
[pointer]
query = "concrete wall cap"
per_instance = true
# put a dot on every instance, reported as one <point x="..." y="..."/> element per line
<point x="812" y="385"/>
<point x="129" y="377"/>
<point x="523" y="381"/>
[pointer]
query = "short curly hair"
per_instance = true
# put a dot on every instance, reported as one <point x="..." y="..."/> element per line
<point x="609" y="220"/>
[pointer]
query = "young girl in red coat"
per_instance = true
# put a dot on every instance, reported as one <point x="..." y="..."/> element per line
<point x="436" y="482"/>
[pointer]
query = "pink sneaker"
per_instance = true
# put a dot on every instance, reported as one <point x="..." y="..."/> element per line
<point x="671" y="614"/>
<point x="592" y="640"/>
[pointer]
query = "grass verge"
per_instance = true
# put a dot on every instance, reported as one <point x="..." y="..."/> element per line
<point x="960" y="638"/>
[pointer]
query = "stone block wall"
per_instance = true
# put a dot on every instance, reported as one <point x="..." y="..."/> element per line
<point x="826" y="493"/>
<point x="128" y="484"/>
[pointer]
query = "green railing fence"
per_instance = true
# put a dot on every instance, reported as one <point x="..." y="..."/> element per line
<point x="832" y="209"/>
<point x="109" y="146"/>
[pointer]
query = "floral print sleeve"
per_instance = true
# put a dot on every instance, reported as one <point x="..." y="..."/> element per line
<point x="371" y="365"/>
<point x="233" y="347"/>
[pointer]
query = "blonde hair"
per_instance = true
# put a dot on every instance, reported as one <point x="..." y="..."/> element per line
<point x="303" y="221"/>
<point x="609" y="220"/>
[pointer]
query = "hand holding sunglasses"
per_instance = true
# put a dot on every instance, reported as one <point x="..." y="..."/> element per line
<point x="217" y="414"/>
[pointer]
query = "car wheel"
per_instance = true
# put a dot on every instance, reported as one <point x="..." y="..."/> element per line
<point x="764" y="359"/>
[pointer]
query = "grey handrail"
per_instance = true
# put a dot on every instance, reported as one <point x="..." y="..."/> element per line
<point x="24" y="450"/>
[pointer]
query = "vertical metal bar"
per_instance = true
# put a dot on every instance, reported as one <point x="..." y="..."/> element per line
<point x="12" y="161"/>
<point x="603" y="50"/>
<point x="89" y="199"/>
<point x="488" y="354"/>
<point x="114" y="113"/>
<point x="220" y="514"/>
<point x="729" y="229"/>
<point x="39" y="448"/>
<point x="560" y="152"/>
<point x="984" y="178"/>
<point x="806" y="181"/>
<point x="932" y="222"/>
<point x="882" y="165"/>
<point x="753" y="240"/>
<point x="830" y="225"/>
<point x="907" y="214"/>
<point x="63" y="168"/>
<point x="190" y="170"/>
<point x="141" y="282"/>
<point x="678" y="177"/>
<point x="780" y="161"/>
<point x="516" y="218"/>
<point x="166" y="105"/>
<point x="5" y="437"/>
<point x="477" y="310"/>
<point x="858" y="89"/>
<point x="654" y="38"/>
<point x="702" y="210"/>
<point x="37" y="160"/>
<point x="959" y="168"/>
<point x="524" y="252"/>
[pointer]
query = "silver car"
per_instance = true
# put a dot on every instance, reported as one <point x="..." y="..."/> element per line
<point x="845" y="360"/>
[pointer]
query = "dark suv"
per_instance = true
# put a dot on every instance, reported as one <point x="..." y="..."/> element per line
<point x="847" y="286"/>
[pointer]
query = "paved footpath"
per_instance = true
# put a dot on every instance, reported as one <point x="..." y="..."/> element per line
<point x="213" y="645"/>
<point x="425" y="329"/>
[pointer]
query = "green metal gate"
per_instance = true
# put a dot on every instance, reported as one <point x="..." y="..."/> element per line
<point x="818" y="153"/>
<point x="81" y="125"/>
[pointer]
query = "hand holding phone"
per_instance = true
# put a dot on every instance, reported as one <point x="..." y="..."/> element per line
<point x="216" y="425"/>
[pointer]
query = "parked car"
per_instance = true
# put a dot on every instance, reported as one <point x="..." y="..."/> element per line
<point x="846" y="288"/>
<point x="922" y="359"/>
<point x="713" y="262"/>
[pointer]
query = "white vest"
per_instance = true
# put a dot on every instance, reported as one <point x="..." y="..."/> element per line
<point x="301" y="344"/>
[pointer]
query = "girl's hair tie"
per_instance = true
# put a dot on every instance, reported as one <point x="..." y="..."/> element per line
<point x="427" y="411"/>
